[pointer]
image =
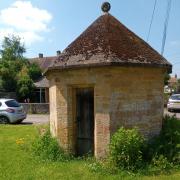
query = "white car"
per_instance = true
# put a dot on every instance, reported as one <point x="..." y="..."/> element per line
<point x="11" y="111"/>
<point x="174" y="102"/>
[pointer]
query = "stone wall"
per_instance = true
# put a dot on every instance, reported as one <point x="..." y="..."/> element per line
<point x="36" y="108"/>
<point x="123" y="96"/>
<point x="8" y="95"/>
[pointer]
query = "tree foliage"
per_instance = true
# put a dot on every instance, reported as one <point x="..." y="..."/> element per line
<point x="166" y="79"/>
<point x="34" y="71"/>
<point x="16" y="73"/>
<point x="12" y="49"/>
<point x="11" y="62"/>
<point x="178" y="86"/>
<point x="25" y="84"/>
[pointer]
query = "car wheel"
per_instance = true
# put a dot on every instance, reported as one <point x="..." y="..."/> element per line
<point x="20" y="121"/>
<point x="4" y="120"/>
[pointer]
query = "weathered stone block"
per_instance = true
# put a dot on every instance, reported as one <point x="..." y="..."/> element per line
<point x="123" y="96"/>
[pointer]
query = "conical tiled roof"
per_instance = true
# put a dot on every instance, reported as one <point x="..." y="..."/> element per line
<point x="108" y="42"/>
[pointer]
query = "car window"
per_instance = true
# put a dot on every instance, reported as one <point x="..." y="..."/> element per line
<point x="175" y="97"/>
<point x="12" y="103"/>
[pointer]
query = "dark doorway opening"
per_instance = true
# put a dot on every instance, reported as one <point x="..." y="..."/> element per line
<point x="85" y="121"/>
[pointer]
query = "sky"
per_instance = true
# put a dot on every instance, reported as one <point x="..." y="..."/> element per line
<point x="46" y="26"/>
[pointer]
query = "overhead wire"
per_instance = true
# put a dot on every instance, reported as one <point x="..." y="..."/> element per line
<point x="152" y="18"/>
<point x="167" y="15"/>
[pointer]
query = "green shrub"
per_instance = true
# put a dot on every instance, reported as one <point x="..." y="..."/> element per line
<point x="167" y="143"/>
<point x="161" y="162"/>
<point x="47" y="148"/>
<point x="102" y="166"/>
<point x="126" y="149"/>
<point x="95" y="166"/>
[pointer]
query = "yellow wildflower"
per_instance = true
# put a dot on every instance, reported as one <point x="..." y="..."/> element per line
<point x="20" y="141"/>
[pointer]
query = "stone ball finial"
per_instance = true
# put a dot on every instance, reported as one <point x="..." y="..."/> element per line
<point x="106" y="6"/>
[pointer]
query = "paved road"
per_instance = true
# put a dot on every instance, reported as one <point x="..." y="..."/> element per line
<point x="42" y="119"/>
<point x="36" y="119"/>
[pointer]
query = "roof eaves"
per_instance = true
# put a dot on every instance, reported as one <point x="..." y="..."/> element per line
<point x="127" y="64"/>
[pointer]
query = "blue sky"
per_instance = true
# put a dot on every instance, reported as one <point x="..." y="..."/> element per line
<point x="47" y="26"/>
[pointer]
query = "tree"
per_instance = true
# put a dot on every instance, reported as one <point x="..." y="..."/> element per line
<point x="12" y="49"/>
<point x="16" y="73"/>
<point x="34" y="71"/>
<point x="166" y="79"/>
<point x="178" y="86"/>
<point x="11" y="62"/>
<point x="25" y="86"/>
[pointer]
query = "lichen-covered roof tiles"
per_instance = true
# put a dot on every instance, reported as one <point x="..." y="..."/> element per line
<point x="109" y="42"/>
<point x="42" y="83"/>
<point x="43" y="62"/>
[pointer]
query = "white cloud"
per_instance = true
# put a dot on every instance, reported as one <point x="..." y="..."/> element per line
<point x="24" y="20"/>
<point x="27" y="37"/>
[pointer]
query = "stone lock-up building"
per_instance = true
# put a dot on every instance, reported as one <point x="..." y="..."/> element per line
<point x="105" y="79"/>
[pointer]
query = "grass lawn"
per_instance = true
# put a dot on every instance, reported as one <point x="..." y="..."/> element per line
<point x="18" y="163"/>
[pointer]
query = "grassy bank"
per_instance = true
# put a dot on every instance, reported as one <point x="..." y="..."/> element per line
<point x="16" y="162"/>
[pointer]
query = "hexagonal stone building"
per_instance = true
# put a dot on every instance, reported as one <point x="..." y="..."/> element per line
<point x="105" y="79"/>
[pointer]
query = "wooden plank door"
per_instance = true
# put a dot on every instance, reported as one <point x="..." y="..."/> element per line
<point x="85" y="120"/>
